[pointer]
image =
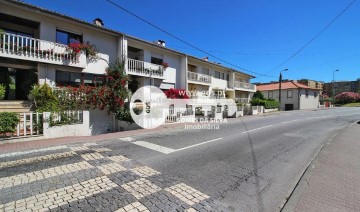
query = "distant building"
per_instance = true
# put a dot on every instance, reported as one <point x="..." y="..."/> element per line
<point x="313" y="84"/>
<point x="294" y="95"/>
<point x="341" y="86"/>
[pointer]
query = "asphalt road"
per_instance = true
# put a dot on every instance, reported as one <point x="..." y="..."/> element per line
<point x="248" y="164"/>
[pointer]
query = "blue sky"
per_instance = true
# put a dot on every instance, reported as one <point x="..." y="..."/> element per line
<point x="254" y="34"/>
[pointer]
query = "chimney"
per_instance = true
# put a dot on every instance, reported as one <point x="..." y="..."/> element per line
<point x="160" y="43"/>
<point x="98" y="22"/>
<point x="206" y="58"/>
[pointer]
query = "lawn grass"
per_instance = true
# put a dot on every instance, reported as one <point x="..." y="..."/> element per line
<point x="355" y="104"/>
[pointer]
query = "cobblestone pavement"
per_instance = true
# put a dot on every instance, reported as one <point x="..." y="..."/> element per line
<point x="91" y="177"/>
<point x="332" y="182"/>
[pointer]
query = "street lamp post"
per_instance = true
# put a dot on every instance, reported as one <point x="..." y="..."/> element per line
<point x="333" y="94"/>
<point x="280" y="79"/>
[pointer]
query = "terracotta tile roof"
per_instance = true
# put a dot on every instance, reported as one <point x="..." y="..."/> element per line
<point x="284" y="86"/>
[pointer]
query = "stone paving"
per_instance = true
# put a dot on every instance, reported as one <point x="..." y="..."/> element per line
<point x="332" y="183"/>
<point x="91" y="177"/>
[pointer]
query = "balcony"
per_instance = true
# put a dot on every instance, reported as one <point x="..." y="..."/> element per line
<point x="245" y="86"/>
<point x="145" y="69"/>
<point x="242" y="100"/>
<point x="198" y="78"/>
<point x="31" y="49"/>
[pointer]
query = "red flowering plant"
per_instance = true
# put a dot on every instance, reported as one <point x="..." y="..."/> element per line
<point x="165" y="65"/>
<point x="347" y="97"/>
<point x="88" y="48"/>
<point x="110" y="96"/>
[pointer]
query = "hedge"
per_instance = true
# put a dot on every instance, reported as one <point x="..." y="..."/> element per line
<point x="267" y="103"/>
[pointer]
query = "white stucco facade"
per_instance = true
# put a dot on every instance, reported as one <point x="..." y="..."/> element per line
<point x="297" y="99"/>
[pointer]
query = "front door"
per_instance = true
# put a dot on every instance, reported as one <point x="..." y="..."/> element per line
<point x="18" y="82"/>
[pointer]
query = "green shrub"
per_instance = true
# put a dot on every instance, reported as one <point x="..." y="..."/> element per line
<point x="258" y="95"/>
<point x="267" y="103"/>
<point x="2" y="91"/>
<point x="45" y="99"/>
<point x="271" y="104"/>
<point x="256" y="102"/>
<point x="8" y="122"/>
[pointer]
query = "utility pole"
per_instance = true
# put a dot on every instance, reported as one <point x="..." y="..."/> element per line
<point x="280" y="80"/>
<point x="333" y="93"/>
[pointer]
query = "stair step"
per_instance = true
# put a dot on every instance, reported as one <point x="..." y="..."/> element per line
<point x="15" y="110"/>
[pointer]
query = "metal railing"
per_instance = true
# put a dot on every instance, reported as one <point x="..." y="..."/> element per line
<point x="30" y="124"/>
<point x="242" y="100"/>
<point x="35" y="48"/>
<point x="244" y="85"/>
<point x="138" y="67"/>
<point x="196" y="77"/>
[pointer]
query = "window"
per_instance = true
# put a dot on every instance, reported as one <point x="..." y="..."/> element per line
<point x="66" y="38"/>
<point x="191" y="68"/>
<point x="68" y="78"/>
<point x="217" y="74"/>
<point x="315" y="94"/>
<point x="289" y="94"/>
<point x="270" y="94"/>
<point x="307" y="94"/>
<point x="65" y="78"/>
<point x="155" y="60"/>
<point x="92" y="79"/>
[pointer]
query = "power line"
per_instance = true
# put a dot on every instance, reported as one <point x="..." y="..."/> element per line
<point x="264" y="54"/>
<point x="181" y="40"/>
<point x="317" y="35"/>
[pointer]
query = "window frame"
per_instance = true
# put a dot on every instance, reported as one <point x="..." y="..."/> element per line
<point x="156" y="60"/>
<point x="95" y="78"/>
<point x="270" y="96"/>
<point x="68" y="38"/>
<point x="290" y="96"/>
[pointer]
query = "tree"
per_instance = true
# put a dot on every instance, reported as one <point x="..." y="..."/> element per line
<point x="258" y="95"/>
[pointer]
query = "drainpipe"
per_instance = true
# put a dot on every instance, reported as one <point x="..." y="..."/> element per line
<point x="299" y="95"/>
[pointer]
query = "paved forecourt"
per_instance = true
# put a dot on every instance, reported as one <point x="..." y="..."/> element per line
<point x="91" y="177"/>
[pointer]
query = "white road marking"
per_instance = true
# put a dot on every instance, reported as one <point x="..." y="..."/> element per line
<point x="32" y="151"/>
<point x="284" y="122"/>
<point x="155" y="147"/>
<point x="258" y="128"/>
<point x="202" y="143"/>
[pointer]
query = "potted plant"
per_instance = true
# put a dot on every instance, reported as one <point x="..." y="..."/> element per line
<point x="2" y="91"/>
<point x="165" y="65"/>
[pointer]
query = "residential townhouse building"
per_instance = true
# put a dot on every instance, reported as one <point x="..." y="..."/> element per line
<point x="211" y="80"/>
<point x="33" y="49"/>
<point x="337" y="87"/>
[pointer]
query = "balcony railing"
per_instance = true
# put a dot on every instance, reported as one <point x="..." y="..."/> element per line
<point x="196" y="77"/>
<point x="242" y="100"/>
<point x="142" y="68"/>
<point x="22" y="47"/>
<point x="244" y="85"/>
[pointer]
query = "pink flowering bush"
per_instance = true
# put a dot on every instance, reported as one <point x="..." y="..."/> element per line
<point x="347" y="97"/>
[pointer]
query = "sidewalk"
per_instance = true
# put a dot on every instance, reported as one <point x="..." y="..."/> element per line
<point x="8" y="146"/>
<point x="332" y="181"/>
